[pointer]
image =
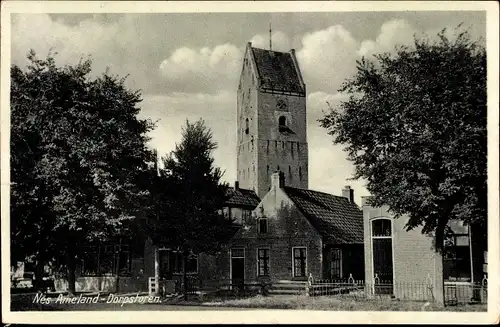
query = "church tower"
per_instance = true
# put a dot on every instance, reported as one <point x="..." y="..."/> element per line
<point x="271" y="120"/>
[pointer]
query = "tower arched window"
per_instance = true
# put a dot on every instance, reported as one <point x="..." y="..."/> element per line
<point x="282" y="121"/>
<point x="247" y="129"/>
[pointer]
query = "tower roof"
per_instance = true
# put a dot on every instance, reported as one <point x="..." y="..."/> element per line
<point x="278" y="70"/>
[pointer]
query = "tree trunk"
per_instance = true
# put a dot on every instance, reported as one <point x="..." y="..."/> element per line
<point x="117" y="288"/>
<point x="38" y="282"/>
<point x="71" y="273"/>
<point x="157" y="270"/>
<point x="439" y="235"/>
<point x="184" y="276"/>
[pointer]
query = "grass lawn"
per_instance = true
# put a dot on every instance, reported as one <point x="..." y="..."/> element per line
<point x="25" y="302"/>
<point x="302" y="302"/>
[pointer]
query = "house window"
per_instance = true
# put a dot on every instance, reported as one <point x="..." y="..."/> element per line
<point x="282" y="121"/>
<point x="227" y="212"/>
<point x="335" y="263"/>
<point x="263" y="262"/>
<point x="381" y="227"/>
<point x="176" y="263"/>
<point x="246" y="215"/>
<point x="299" y="261"/>
<point x="262" y="225"/>
<point x="457" y="261"/>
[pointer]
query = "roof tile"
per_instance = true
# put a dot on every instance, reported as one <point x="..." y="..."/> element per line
<point x="334" y="217"/>
<point x="277" y="70"/>
<point x="242" y="197"/>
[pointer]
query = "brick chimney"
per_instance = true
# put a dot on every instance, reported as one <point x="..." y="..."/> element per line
<point x="278" y="179"/>
<point x="348" y="192"/>
<point x="236" y="186"/>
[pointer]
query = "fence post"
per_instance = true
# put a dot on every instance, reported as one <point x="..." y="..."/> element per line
<point x="429" y="285"/>
<point x="484" y="289"/>
<point x="309" y="285"/>
<point x="376" y="280"/>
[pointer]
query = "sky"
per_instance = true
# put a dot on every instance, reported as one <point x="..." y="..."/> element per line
<point x="187" y="65"/>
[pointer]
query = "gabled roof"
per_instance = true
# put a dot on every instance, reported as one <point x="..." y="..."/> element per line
<point x="277" y="71"/>
<point x="334" y="217"/>
<point x="242" y="198"/>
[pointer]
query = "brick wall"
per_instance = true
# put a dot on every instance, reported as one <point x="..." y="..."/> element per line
<point x="264" y="148"/>
<point x="276" y="150"/>
<point x="414" y="260"/>
<point x="247" y="97"/>
<point x="287" y="228"/>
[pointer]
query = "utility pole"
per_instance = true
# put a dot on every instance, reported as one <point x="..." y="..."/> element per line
<point x="156" y="246"/>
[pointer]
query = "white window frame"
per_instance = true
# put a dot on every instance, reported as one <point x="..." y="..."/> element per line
<point x="293" y="261"/>
<point x="268" y="262"/>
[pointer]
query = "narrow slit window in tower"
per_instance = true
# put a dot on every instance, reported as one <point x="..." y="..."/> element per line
<point x="247" y="129"/>
<point x="282" y="121"/>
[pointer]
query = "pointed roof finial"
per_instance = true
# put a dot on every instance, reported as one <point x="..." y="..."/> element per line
<point x="270" y="38"/>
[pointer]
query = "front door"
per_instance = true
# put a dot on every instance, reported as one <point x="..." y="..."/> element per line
<point x="382" y="265"/>
<point x="238" y="269"/>
<point x="165" y="272"/>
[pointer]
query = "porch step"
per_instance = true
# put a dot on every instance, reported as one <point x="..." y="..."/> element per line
<point x="288" y="287"/>
<point x="287" y="292"/>
<point x="287" y="281"/>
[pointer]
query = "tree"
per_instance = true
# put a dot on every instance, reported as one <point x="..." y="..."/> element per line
<point x="78" y="156"/>
<point x="193" y="195"/>
<point x="415" y="128"/>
